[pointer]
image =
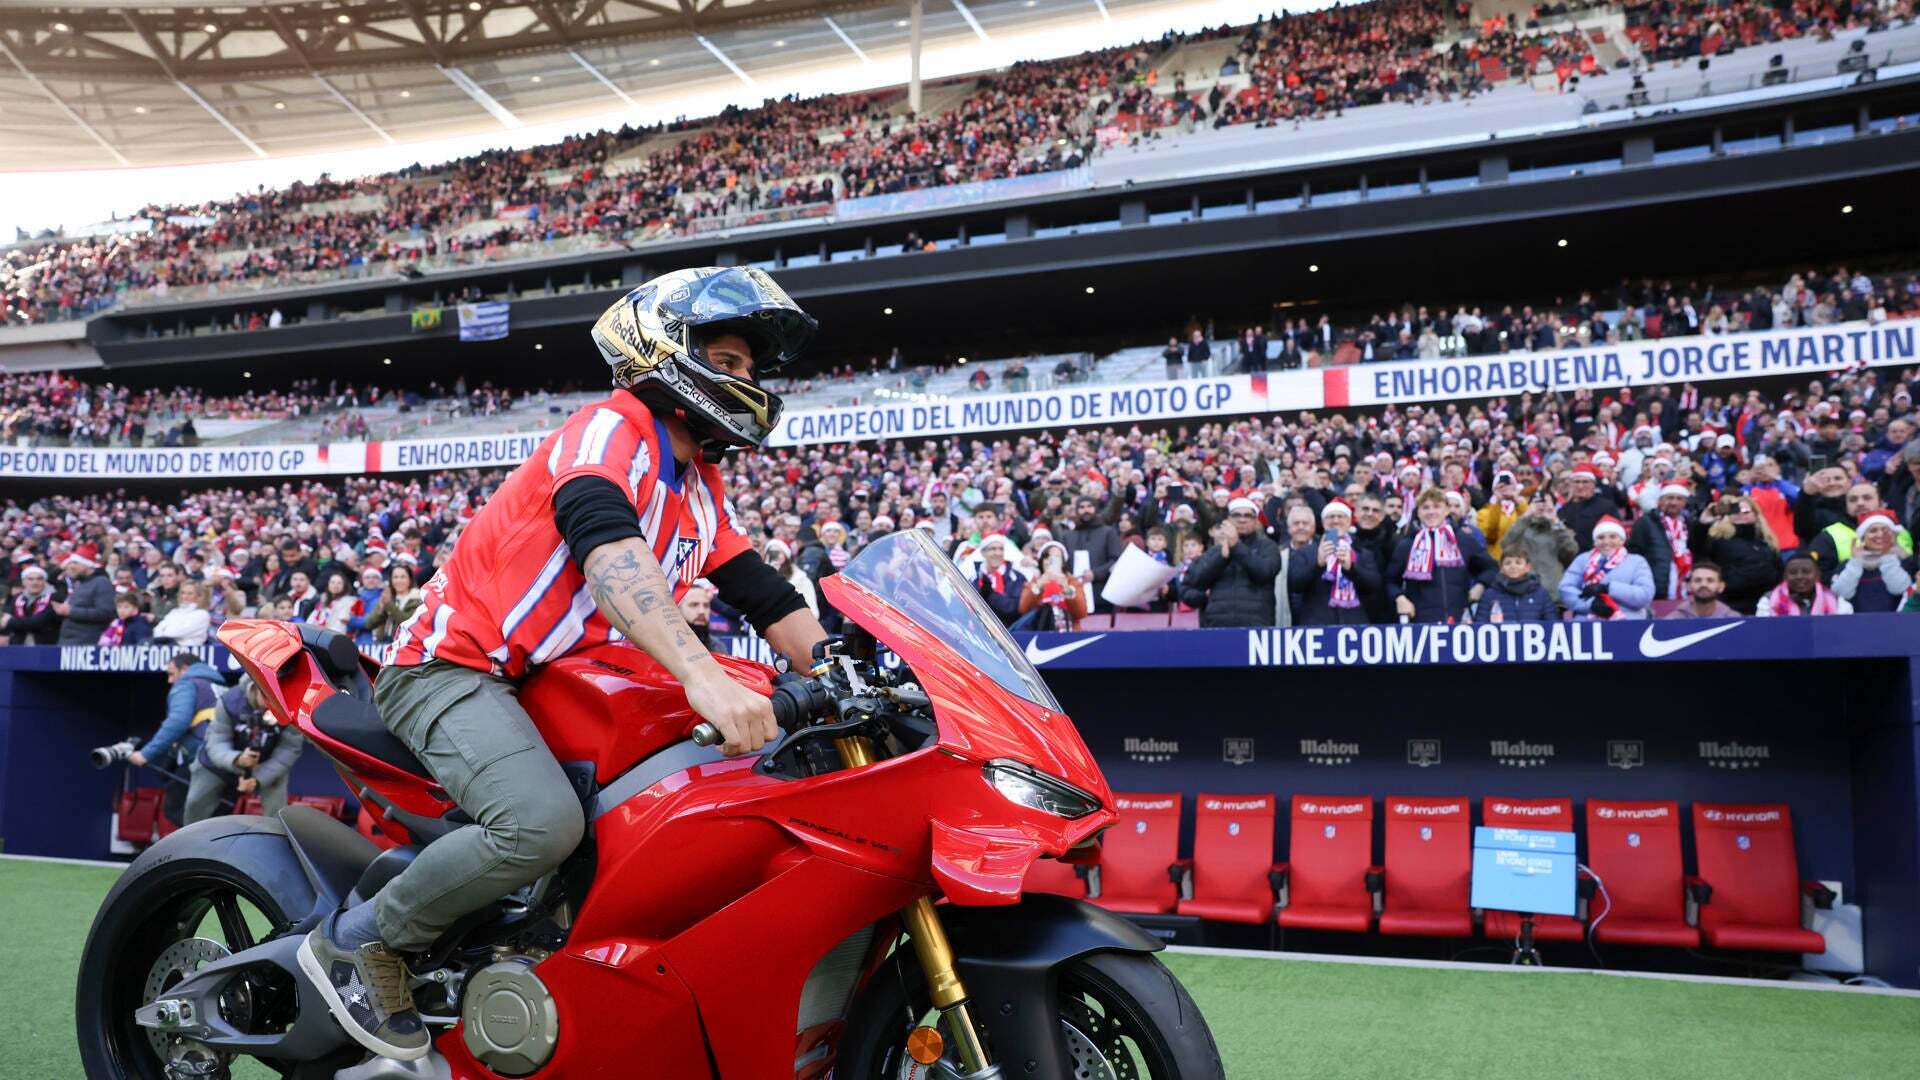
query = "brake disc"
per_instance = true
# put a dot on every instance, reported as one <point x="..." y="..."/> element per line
<point x="182" y="1057"/>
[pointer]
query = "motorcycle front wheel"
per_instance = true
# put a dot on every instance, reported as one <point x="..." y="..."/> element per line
<point x="1123" y="1016"/>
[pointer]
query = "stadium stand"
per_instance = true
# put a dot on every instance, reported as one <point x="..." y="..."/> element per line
<point x="1749" y="893"/>
<point x="1329" y="881"/>
<point x="794" y="158"/>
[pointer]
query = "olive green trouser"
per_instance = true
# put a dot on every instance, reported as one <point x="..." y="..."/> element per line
<point x="467" y="728"/>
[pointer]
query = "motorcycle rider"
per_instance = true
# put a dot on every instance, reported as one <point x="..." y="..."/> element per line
<point x="593" y="539"/>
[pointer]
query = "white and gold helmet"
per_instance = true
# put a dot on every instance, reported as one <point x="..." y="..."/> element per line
<point x="654" y="338"/>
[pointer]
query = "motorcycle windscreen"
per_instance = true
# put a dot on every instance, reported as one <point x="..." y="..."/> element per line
<point x="909" y="572"/>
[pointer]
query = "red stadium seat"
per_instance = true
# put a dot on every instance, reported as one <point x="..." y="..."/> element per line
<point x="334" y="806"/>
<point x="1101" y="620"/>
<point x="1753" y="896"/>
<point x="1231" y="875"/>
<point x="1634" y="850"/>
<point x="1140" y="620"/>
<point x="1553" y="815"/>
<point x="248" y="804"/>
<point x="1186" y="620"/>
<point x="139" y="814"/>
<point x="1056" y="877"/>
<point x="1324" y="884"/>
<point x="1429" y="868"/>
<point x="1137" y="867"/>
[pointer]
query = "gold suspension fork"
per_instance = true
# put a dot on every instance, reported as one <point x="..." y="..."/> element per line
<point x="931" y="947"/>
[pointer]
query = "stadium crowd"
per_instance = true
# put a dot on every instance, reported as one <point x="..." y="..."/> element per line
<point x="637" y="183"/>
<point x="1678" y="499"/>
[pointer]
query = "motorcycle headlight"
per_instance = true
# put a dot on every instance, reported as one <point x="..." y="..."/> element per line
<point x="1038" y="791"/>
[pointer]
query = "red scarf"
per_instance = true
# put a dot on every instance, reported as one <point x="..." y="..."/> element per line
<point x="1781" y="602"/>
<point x="1676" y="527"/>
<point x="1431" y="548"/>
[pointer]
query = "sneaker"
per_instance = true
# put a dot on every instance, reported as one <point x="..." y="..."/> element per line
<point x="366" y="990"/>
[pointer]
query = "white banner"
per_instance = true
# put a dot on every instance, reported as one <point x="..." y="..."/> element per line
<point x="1805" y="352"/>
<point x="1072" y="406"/>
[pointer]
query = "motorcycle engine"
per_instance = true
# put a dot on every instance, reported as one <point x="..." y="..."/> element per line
<point x="508" y="1017"/>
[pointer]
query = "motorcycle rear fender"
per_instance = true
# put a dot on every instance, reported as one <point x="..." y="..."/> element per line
<point x="1006" y="956"/>
<point x="332" y="854"/>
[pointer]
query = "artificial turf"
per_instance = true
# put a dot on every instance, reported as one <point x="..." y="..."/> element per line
<point x="1272" y="1018"/>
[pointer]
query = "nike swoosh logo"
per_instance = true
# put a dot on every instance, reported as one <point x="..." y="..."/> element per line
<point x="1653" y="648"/>
<point x="1039" y="656"/>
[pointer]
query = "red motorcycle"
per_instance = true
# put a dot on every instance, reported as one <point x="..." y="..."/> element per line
<point x="847" y="903"/>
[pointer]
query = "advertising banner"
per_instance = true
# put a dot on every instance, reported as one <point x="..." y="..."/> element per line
<point x="1804" y="352"/>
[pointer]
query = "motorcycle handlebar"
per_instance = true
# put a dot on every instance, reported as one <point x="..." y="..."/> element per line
<point x="796" y="701"/>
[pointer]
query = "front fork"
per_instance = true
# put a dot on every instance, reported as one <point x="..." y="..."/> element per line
<point x="931" y="947"/>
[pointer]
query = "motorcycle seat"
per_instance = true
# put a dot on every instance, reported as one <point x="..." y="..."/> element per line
<point x="357" y="723"/>
<point x="339" y="658"/>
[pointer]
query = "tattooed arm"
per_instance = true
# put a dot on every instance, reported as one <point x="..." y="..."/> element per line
<point x="630" y="589"/>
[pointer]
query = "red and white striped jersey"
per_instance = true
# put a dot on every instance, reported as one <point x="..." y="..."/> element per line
<point x="512" y="598"/>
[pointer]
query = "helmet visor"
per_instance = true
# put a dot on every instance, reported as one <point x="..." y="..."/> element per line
<point x="765" y="315"/>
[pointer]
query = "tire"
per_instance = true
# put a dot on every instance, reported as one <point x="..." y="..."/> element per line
<point x="209" y="868"/>
<point x="1123" y="998"/>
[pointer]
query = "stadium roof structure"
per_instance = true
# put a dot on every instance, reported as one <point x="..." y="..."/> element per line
<point x="99" y="83"/>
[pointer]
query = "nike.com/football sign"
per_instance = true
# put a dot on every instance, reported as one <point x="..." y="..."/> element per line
<point x="1433" y="643"/>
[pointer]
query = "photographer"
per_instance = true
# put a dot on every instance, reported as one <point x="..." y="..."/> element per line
<point x="190" y="704"/>
<point x="246" y="752"/>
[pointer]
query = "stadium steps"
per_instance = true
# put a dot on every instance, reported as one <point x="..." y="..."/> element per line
<point x="936" y="98"/>
<point x="1200" y="61"/>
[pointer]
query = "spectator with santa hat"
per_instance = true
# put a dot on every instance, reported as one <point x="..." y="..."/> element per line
<point x="1732" y="534"/>
<point x="88" y="607"/>
<point x="1875" y="577"/>
<point x="1437" y="571"/>
<point x="1334" y="582"/>
<point x="1585" y="504"/>
<point x="1661" y="538"/>
<point x="1607" y="581"/>
<point x="1054" y="599"/>
<point x="1802" y="593"/>
<point x="28" y="617"/>
<point x="1232" y="582"/>
<point x="1000" y="584"/>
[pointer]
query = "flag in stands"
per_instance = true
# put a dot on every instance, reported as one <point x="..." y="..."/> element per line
<point x="483" y="322"/>
<point x="426" y="318"/>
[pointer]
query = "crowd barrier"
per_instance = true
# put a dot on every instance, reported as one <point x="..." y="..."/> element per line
<point x="1819" y="714"/>
<point x="1805" y="352"/>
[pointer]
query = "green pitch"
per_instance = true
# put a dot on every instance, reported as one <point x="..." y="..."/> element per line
<point x="1273" y="1018"/>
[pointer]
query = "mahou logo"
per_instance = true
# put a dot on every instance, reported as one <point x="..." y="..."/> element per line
<point x="1328" y="751"/>
<point x="1151" y="751"/>
<point x="1520" y="755"/>
<point x="1734" y="755"/>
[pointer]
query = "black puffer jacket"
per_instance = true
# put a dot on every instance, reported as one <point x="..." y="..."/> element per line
<point x="1747" y="564"/>
<point x="1236" y="588"/>
<point x="1443" y="598"/>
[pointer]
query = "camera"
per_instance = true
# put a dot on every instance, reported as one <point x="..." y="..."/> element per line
<point x="103" y="756"/>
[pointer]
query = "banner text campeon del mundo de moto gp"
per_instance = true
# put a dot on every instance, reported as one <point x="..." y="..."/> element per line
<point x="1810" y="350"/>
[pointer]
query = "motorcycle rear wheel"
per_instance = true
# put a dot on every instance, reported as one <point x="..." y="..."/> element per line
<point x="160" y="901"/>
<point x="1123" y="1017"/>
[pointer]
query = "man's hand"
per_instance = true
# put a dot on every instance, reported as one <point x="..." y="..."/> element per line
<point x="137" y="758"/>
<point x="1224" y="534"/>
<point x="247" y="758"/>
<point x="744" y="718"/>
<point x="246" y="785"/>
<point x="1404" y="605"/>
<point x="62" y="608"/>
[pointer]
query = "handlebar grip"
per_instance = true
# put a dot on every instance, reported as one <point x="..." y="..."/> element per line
<point x="705" y="734"/>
